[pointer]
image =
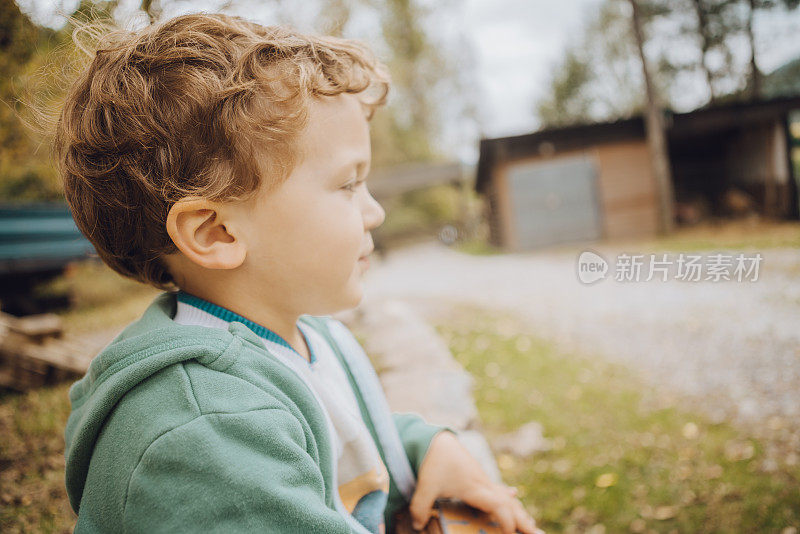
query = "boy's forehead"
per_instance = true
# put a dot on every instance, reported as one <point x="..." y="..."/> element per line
<point x="343" y="112"/>
<point x="337" y="131"/>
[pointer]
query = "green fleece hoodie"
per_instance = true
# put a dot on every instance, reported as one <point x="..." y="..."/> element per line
<point x="180" y="428"/>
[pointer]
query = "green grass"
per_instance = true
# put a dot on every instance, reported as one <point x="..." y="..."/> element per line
<point x="621" y="457"/>
<point x="100" y="298"/>
<point x="477" y="247"/>
<point x="721" y="235"/>
<point x="728" y="235"/>
<point x="33" y="497"/>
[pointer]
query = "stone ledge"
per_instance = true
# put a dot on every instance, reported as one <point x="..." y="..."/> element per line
<point x="419" y="374"/>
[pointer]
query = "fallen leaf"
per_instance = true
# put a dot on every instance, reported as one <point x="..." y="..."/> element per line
<point x="638" y="525"/>
<point x="665" y="512"/>
<point x="505" y="461"/>
<point x="690" y="431"/>
<point x="561" y="466"/>
<point x="713" y="471"/>
<point x="606" y="480"/>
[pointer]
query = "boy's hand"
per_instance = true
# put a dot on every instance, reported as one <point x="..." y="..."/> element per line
<point x="450" y="471"/>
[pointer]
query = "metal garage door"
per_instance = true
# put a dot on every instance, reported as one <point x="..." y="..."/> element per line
<point x="554" y="201"/>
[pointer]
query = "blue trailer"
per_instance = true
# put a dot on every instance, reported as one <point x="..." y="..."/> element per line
<point x="37" y="241"/>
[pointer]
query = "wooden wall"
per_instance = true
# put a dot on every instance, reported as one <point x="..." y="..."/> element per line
<point x="625" y="185"/>
<point x="628" y="190"/>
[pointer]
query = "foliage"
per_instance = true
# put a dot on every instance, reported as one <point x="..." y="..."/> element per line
<point x="425" y="77"/>
<point x="599" y="76"/>
<point x="25" y="171"/>
<point x="426" y="84"/>
<point x="422" y="212"/>
<point x="689" y="43"/>
<point x="568" y="103"/>
<point x="783" y="81"/>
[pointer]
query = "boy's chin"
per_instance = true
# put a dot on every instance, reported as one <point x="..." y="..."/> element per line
<point x="355" y="298"/>
<point x="349" y="299"/>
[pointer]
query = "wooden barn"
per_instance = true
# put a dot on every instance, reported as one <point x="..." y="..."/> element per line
<point x="595" y="181"/>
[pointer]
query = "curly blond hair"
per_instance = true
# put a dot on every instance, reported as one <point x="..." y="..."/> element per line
<point x="205" y="105"/>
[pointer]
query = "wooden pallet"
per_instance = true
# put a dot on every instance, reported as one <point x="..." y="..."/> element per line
<point x="34" y="352"/>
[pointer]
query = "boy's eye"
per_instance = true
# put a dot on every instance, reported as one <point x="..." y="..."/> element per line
<point x="351" y="186"/>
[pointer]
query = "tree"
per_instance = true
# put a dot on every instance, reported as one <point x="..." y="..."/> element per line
<point x="656" y="131"/>
<point x="414" y="65"/>
<point x="25" y="172"/>
<point x="707" y="40"/>
<point x="598" y="77"/>
<point x="427" y="82"/>
<point x="609" y="88"/>
<point x="568" y="102"/>
<point x="754" y="82"/>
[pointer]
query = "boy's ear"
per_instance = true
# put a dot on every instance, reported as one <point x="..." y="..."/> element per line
<point x="199" y="230"/>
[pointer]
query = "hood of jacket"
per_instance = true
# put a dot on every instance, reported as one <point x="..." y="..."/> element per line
<point x="143" y="348"/>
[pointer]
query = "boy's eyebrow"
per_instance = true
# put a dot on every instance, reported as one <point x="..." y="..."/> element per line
<point x="359" y="164"/>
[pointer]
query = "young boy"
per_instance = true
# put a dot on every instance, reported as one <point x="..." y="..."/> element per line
<point x="225" y="163"/>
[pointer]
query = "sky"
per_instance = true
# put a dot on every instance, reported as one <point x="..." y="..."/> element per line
<point x="515" y="45"/>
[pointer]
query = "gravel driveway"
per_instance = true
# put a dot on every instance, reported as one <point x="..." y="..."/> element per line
<point x="734" y="346"/>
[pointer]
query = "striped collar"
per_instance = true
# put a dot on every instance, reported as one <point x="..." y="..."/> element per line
<point x="229" y="316"/>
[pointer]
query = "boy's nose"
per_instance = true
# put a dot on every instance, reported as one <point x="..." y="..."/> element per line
<point x="374" y="214"/>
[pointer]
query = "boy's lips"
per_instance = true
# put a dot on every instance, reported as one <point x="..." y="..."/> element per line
<point x="364" y="260"/>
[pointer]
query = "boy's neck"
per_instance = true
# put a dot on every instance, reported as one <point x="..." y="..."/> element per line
<point x="281" y="322"/>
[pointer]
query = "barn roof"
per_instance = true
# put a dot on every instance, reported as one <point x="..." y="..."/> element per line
<point x="553" y="140"/>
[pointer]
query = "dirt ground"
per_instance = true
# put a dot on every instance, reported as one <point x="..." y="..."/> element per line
<point x="730" y="346"/>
